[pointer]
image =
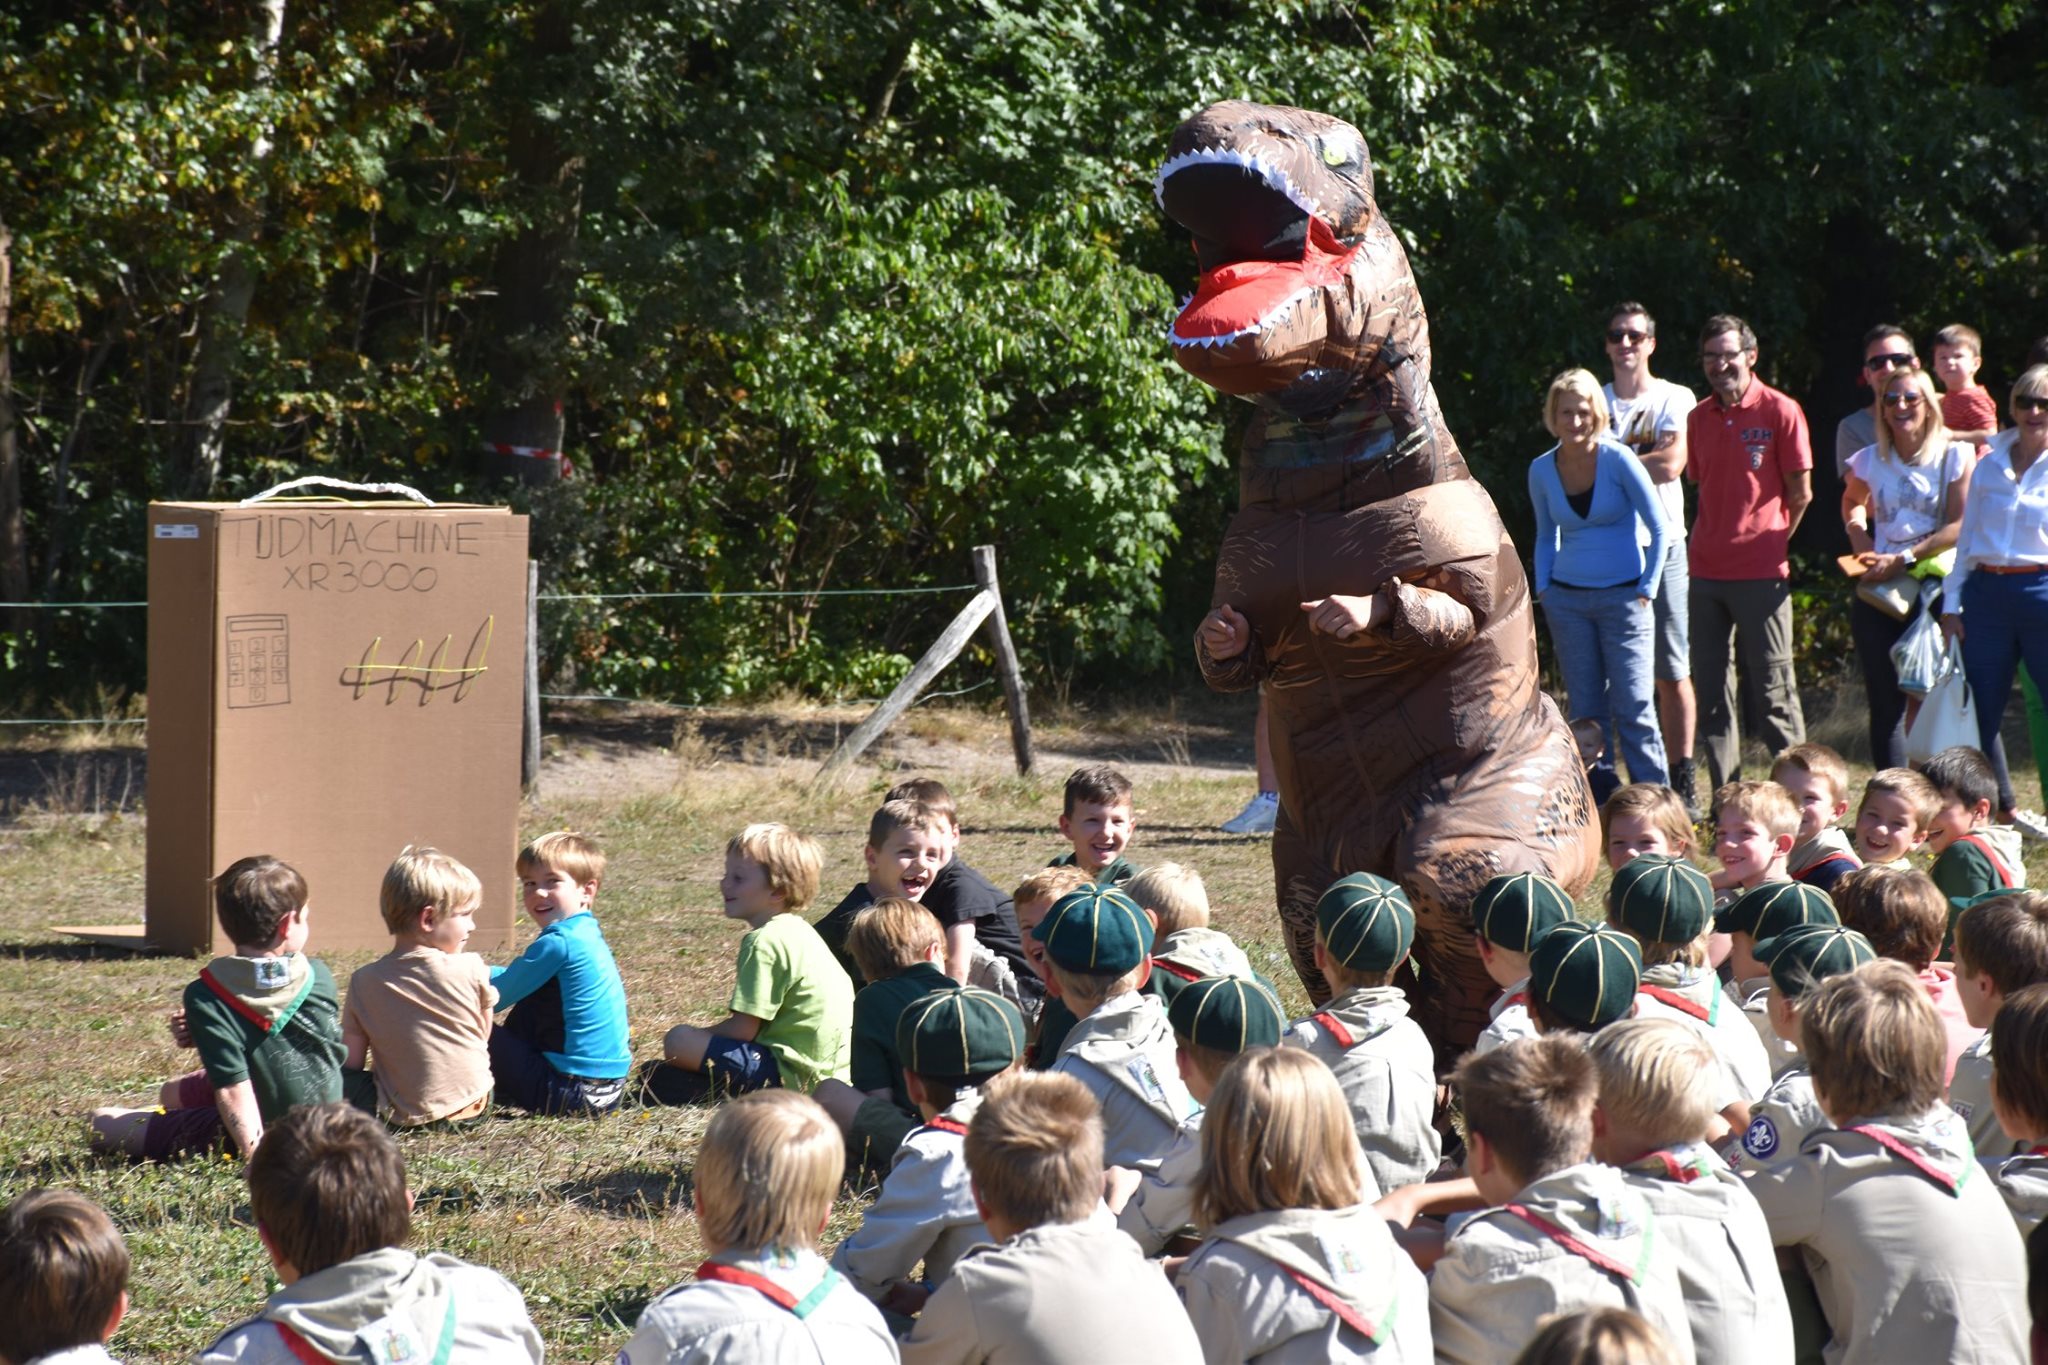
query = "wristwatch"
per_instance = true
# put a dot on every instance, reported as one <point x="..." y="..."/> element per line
<point x="1908" y="556"/>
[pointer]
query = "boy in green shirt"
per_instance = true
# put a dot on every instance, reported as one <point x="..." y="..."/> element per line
<point x="791" y="1014"/>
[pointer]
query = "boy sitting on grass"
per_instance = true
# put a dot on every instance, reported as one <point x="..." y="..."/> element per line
<point x="1561" y="1232"/>
<point x="906" y="847"/>
<point x="423" y="1010"/>
<point x="1035" y="897"/>
<point x="1904" y="915"/>
<point x="1756" y="915"/>
<point x="984" y="946"/>
<point x="1911" y="1251"/>
<point x="1972" y="853"/>
<point x="1215" y="1021"/>
<point x="563" y="1048"/>
<point x="1644" y="817"/>
<point x="2019" y="1092"/>
<point x="1060" y="1284"/>
<point x="1756" y="825"/>
<point x="266" y="1021"/>
<point x="327" y="1188"/>
<point x="1798" y="960"/>
<point x="1510" y="913"/>
<point x="2003" y="950"/>
<point x="1891" y="822"/>
<point x="953" y="1043"/>
<point x="1184" y="947"/>
<point x="1655" y="1109"/>
<point x="1122" y="1049"/>
<point x="1381" y="1057"/>
<point x="763" y="1185"/>
<point x="1818" y="780"/>
<point x="63" y="1280"/>
<point x="1583" y="977"/>
<point x="1097" y="818"/>
<point x="790" y="1020"/>
<point x="897" y="947"/>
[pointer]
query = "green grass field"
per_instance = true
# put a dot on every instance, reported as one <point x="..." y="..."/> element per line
<point x="589" y="1217"/>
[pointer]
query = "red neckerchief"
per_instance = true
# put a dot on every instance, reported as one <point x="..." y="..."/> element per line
<point x="1991" y="855"/>
<point x="1335" y="1028"/>
<point x="1912" y="1158"/>
<point x="946" y="1125"/>
<point x="1184" y="973"/>
<point x="1676" y="1001"/>
<point x="1571" y="1243"/>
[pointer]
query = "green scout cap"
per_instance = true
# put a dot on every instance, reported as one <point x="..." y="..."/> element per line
<point x="1365" y="923"/>
<point x="1774" y="907"/>
<point x="1514" y="910"/>
<point x="959" y="1034"/>
<point x="1586" y="972"/>
<point x="1228" y="1013"/>
<point x="1095" y="929"/>
<point x="1661" y="899"/>
<point x="1802" y="957"/>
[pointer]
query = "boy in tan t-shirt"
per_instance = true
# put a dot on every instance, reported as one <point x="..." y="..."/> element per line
<point x="423" y="1010"/>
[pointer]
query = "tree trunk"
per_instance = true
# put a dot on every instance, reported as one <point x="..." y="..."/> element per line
<point x="226" y="309"/>
<point x="13" y="540"/>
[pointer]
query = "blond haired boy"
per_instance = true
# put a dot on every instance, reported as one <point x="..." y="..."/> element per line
<point x="2001" y="948"/>
<point x="563" y="1048"/>
<point x="422" y="1012"/>
<point x="1912" y="1257"/>
<point x="984" y="945"/>
<point x="1891" y="822"/>
<point x="1122" y="1049"/>
<point x="766" y="1174"/>
<point x="790" y="1018"/>
<point x="898" y="948"/>
<point x="1059" y="1285"/>
<point x="1655" y="1109"/>
<point x="1034" y="898"/>
<point x="1184" y="947"/>
<point x="1561" y="1232"/>
<point x="1756" y="825"/>
<point x="1381" y="1057"/>
<point x="1818" y="779"/>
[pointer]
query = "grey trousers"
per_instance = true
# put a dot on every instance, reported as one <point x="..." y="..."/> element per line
<point x="1742" y="632"/>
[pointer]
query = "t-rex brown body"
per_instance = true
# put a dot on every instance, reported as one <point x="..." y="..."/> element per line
<point x="1421" y="749"/>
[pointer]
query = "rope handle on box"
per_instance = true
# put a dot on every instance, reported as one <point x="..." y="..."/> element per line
<point x="403" y="490"/>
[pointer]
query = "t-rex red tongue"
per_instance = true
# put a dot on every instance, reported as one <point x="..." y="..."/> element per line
<point x="1249" y="296"/>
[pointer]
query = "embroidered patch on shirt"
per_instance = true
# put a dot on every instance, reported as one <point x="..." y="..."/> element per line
<point x="390" y="1341"/>
<point x="1616" y="1217"/>
<point x="1147" y="1079"/>
<point x="1760" y="1139"/>
<point x="1342" y="1258"/>
<point x="272" y="973"/>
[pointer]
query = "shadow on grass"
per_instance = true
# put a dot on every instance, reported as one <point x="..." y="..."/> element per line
<point x="646" y="1191"/>
<point x="76" y="950"/>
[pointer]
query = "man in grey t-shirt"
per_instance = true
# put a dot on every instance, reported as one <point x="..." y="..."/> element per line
<point x="1649" y="417"/>
<point x="1885" y="349"/>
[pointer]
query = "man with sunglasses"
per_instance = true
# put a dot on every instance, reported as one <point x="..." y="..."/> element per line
<point x="1649" y="417"/>
<point x="1886" y="349"/>
<point x="1751" y="457"/>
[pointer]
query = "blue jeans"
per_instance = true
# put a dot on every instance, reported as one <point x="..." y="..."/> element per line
<point x="2005" y="624"/>
<point x="1604" y="638"/>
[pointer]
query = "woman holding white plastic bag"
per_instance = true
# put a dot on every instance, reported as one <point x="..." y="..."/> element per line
<point x="1996" y="599"/>
<point x="1902" y="501"/>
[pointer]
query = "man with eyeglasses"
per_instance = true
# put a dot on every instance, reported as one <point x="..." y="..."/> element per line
<point x="1751" y="458"/>
<point x="1886" y="349"/>
<point x="1649" y="416"/>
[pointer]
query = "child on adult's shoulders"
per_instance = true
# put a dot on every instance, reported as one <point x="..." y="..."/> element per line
<point x="422" y="1012"/>
<point x="789" y="1021"/>
<point x="1818" y="779"/>
<point x="563" y="1047"/>
<point x="898" y="948"/>
<point x="266" y="1022"/>
<point x="1967" y="408"/>
<point x="1904" y="915"/>
<point x="1098" y="819"/>
<point x="1891" y="822"/>
<point x="1973" y="854"/>
<point x="1510" y="913"/>
<point x="2001" y="942"/>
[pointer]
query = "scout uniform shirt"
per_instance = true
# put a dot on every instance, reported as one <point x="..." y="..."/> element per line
<point x="1824" y="859"/>
<point x="925" y="1211"/>
<point x="787" y="1306"/>
<point x="1056" y="1292"/>
<point x="1124" y="1054"/>
<point x="1753" y="998"/>
<point x="1912" y="1252"/>
<point x="2023" y="1184"/>
<point x="274" y="1022"/>
<point x="1306" y="1286"/>
<point x="1969" y="1094"/>
<point x="1187" y="955"/>
<point x="1163" y="1205"/>
<point x="1779" y="1123"/>
<point x="1387" y="1069"/>
<point x="1509" y="1020"/>
<point x="1582" y="1237"/>
<point x="1693" y="997"/>
<point x="1734" y="1295"/>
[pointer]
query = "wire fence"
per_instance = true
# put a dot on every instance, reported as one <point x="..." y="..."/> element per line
<point x="696" y="595"/>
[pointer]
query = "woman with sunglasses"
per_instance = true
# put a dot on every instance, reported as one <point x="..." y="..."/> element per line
<point x="1902" y="501"/>
<point x="1996" y="599"/>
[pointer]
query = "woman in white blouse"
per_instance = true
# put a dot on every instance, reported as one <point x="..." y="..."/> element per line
<point x="1996" y="598"/>
<point x="1902" y="500"/>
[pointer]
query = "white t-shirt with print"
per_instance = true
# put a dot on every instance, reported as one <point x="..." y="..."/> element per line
<point x="1658" y="411"/>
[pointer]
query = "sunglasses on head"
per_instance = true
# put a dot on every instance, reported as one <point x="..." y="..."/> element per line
<point x="1890" y="360"/>
<point x="1902" y="400"/>
<point x="2031" y="402"/>
<point x="1621" y="334"/>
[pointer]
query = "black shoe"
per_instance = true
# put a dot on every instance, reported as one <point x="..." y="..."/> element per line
<point x="1685" y="782"/>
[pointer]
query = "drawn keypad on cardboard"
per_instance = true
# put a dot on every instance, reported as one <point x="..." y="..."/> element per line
<point x="259" y="661"/>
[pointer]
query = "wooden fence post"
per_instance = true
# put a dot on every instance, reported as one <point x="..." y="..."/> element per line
<point x="529" y="754"/>
<point x="1006" y="658"/>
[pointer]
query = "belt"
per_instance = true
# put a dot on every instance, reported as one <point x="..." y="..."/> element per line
<point x="2008" y="569"/>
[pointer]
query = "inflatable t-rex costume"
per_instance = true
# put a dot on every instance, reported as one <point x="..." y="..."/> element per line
<point x="1419" y="746"/>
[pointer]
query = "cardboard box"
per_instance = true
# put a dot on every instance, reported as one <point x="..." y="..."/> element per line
<point x="329" y="682"/>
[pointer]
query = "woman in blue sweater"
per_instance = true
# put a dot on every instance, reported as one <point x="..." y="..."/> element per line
<point x="1597" y="569"/>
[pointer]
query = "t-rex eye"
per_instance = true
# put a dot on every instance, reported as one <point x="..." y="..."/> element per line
<point x="1338" y="148"/>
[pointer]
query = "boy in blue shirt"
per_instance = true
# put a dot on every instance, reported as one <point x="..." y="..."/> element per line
<point x="563" y="1048"/>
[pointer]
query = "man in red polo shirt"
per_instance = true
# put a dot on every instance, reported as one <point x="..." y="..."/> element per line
<point x="1748" y="452"/>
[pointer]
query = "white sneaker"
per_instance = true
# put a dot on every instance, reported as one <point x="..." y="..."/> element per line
<point x="1257" y="817"/>
<point x="2030" y="823"/>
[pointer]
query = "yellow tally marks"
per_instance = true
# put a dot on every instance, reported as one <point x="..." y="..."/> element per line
<point x="432" y="676"/>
